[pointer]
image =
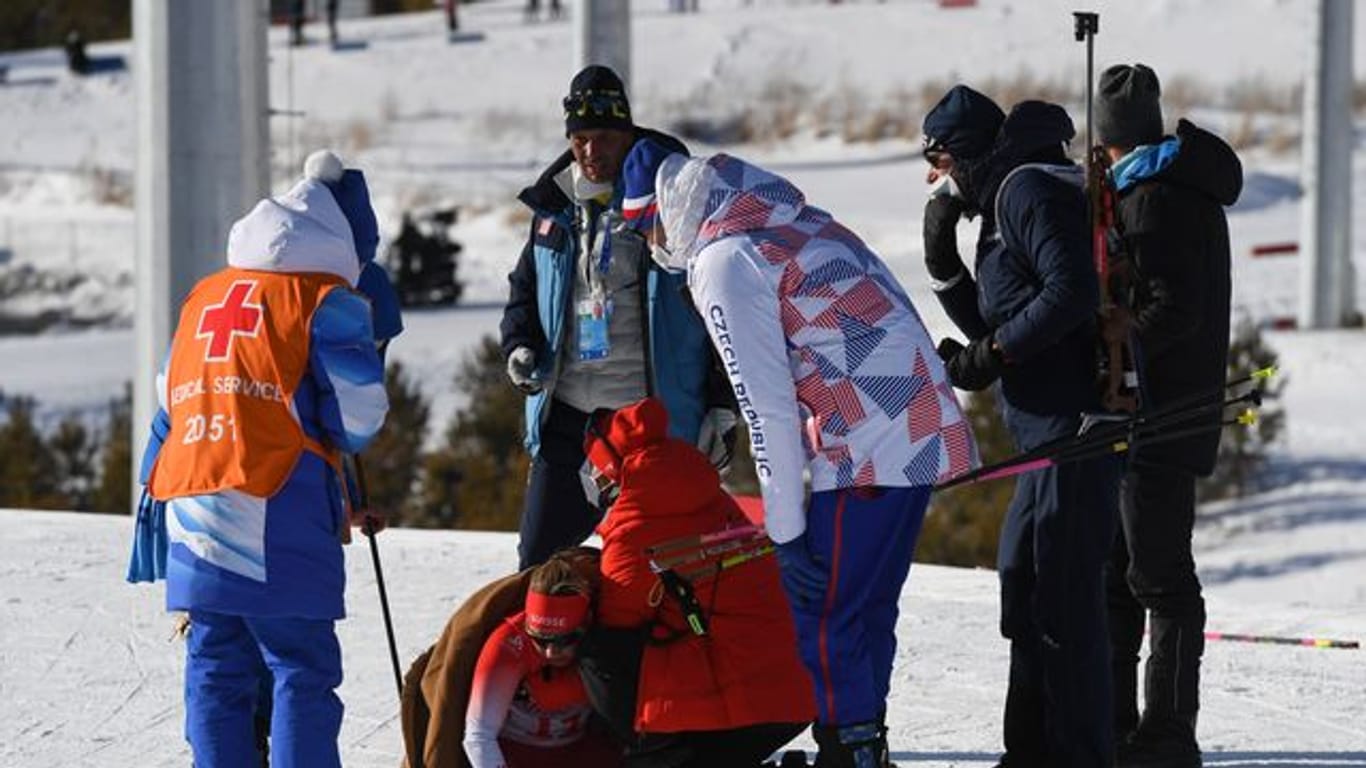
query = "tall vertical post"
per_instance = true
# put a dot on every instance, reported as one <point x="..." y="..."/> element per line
<point x="1085" y="27"/>
<point x="202" y="159"/>
<point x="1327" y="280"/>
<point x="603" y="36"/>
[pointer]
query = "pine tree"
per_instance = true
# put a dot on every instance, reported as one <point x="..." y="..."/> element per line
<point x="74" y="448"/>
<point x="962" y="526"/>
<point x="478" y="477"/>
<point x="1242" y="450"/>
<point x="28" y="468"/>
<point x="114" y="494"/>
<point x="394" y="459"/>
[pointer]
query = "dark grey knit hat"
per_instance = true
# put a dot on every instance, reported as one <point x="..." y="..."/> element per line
<point x="1128" y="111"/>
<point x="596" y="99"/>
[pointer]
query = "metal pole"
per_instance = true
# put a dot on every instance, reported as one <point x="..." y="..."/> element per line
<point x="603" y="36"/>
<point x="1085" y="27"/>
<point x="202" y="160"/>
<point x="1327" y="279"/>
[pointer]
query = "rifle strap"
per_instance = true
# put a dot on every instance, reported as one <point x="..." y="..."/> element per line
<point x="1070" y="174"/>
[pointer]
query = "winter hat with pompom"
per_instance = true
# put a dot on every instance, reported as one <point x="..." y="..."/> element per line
<point x="352" y="194"/>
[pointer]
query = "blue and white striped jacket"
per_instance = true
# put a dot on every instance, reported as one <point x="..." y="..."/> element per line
<point x="233" y="553"/>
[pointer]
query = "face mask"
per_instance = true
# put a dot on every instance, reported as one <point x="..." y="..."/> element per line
<point x="598" y="490"/>
<point x="944" y="186"/>
<point x="589" y="190"/>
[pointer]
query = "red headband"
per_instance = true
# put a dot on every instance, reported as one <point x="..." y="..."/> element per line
<point x="553" y="615"/>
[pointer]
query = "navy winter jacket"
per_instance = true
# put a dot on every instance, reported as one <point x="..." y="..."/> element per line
<point x="1036" y="287"/>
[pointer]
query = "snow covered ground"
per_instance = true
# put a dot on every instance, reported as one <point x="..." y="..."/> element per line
<point x="88" y="676"/>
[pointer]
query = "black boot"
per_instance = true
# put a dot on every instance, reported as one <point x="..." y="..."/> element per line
<point x="861" y="745"/>
<point x="1165" y="737"/>
<point x="1139" y="753"/>
<point x="1125" y="617"/>
<point x="828" y="746"/>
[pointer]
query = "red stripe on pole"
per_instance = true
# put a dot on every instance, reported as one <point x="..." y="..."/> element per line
<point x="1275" y="249"/>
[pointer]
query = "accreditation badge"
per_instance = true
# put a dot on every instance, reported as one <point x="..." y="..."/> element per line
<point x="593" y="315"/>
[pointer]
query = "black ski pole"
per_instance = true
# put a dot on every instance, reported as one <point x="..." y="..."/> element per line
<point x="1191" y="406"/>
<point x="1128" y="431"/>
<point x="1122" y="445"/>
<point x="1086" y="25"/>
<point x="1129" y="436"/>
<point x="1093" y="451"/>
<point x="369" y="531"/>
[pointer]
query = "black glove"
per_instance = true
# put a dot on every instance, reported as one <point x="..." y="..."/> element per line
<point x="941" y="239"/>
<point x="973" y="367"/>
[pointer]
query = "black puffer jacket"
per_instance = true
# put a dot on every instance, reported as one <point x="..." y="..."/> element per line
<point x="1171" y="215"/>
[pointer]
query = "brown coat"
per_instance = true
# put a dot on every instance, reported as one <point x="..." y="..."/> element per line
<point x="436" y="690"/>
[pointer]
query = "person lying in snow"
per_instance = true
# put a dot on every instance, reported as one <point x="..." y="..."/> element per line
<point x="528" y="707"/>
<point x="441" y="684"/>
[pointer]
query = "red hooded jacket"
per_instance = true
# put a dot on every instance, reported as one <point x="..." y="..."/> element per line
<point x="746" y="669"/>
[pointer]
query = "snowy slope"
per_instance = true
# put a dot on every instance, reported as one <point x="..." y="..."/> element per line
<point x="89" y="676"/>
<point x="468" y="124"/>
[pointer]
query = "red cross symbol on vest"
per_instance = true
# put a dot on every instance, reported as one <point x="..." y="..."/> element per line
<point x="220" y="323"/>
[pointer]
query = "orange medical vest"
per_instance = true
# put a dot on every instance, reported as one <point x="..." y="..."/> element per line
<point x="239" y="352"/>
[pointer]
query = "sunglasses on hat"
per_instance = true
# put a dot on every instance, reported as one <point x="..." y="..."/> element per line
<point x="934" y="151"/>
<point x="599" y="103"/>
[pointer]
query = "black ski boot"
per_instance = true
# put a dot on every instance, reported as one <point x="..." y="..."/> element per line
<point x="1149" y="748"/>
<point x="1165" y="737"/>
<point x="862" y="745"/>
<point x="827" y="745"/>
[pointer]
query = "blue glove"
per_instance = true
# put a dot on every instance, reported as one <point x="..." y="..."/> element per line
<point x="384" y="307"/>
<point x="804" y="578"/>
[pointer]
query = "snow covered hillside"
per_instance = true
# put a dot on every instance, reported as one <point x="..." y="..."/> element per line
<point x="469" y="123"/>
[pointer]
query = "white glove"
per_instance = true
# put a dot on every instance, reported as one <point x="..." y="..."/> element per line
<point x="522" y="370"/>
<point x="716" y="436"/>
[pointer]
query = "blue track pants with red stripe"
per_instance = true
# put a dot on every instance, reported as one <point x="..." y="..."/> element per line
<point x="867" y="537"/>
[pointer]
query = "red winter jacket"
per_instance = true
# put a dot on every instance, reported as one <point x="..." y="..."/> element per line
<point x="746" y="670"/>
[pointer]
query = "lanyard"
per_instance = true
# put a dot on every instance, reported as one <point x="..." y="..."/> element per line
<point x="605" y="258"/>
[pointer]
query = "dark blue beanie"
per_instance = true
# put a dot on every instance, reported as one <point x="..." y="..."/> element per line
<point x="964" y="123"/>
<point x="353" y="196"/>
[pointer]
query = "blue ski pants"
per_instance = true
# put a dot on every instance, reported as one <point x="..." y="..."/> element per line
<point x="866" y="536"/>
<point x="226" y="658"/>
